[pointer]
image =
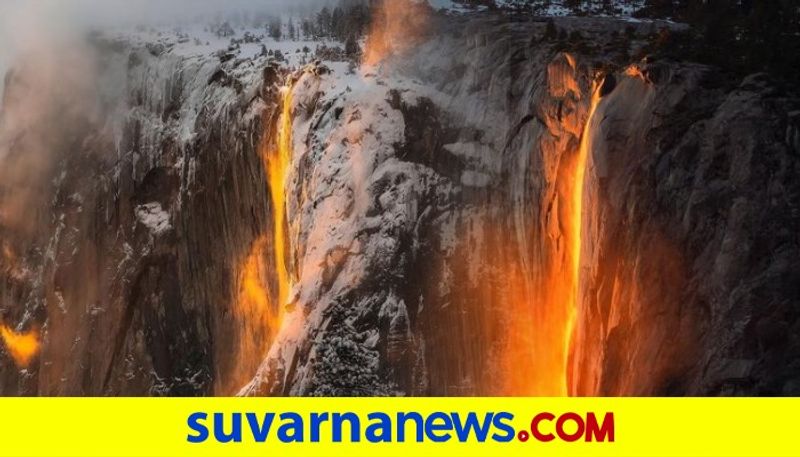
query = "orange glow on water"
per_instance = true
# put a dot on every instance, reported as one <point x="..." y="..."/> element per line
<point x="277" y="164"/>
<point x="11" y="263"/>
<point x="263" y="281"/>
<point x="8" y="254"/>
<point x="544" y="296"/>
<point x="22" y="347"/>
<point x="575" y="229"/>
<point x="396" y="27"/>
<point x="253" y="291"/>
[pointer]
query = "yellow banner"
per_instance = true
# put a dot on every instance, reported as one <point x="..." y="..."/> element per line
<point x="406" y="427"/>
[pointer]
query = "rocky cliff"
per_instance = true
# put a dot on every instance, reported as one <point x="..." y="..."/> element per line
<point x="489" y="213"/>
<point x="126" y="217"/>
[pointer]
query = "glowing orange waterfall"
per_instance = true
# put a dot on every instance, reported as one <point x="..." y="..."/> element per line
<point x="254" y="298"/>
<point x="254" y="283"/>
<point x="277" y="164"/>
<point x="576" y="227"/>
<point x="259" y="308"/>
<point x="23" y="347"/>
<point x="543" y="294"/>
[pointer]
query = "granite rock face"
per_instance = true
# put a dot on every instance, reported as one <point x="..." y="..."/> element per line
<point x="430" y="223"/>
<point x="130" y="227"/>
<point x="466" y="281"/>
<point x="691" y="270"/>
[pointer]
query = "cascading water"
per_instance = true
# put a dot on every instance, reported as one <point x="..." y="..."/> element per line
<point x="23" y="346"/>
<point x="542" y="282"/>
<point x="533" y="287"/>
<point x="277" y="165"/>
<point x="576" y="235"/>
<point x="264" y="281"/>
<point x="458" y="218"/>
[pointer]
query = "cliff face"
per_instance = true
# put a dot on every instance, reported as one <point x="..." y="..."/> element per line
<point x="130" y="229"/>
<point x="463" y="275"/>
<point x="485" y="215"/>
<point x="689" y="275"/>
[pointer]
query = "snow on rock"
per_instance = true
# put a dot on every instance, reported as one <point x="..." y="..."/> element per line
<point x="352" y="201"/>
<point x="414" y="194"/>
<point x="153" y="217"/>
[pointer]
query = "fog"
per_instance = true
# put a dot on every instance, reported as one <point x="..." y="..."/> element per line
<point x="58" y="89"/>
<point x="112" y="12"/>
<point x="28" y="24"/>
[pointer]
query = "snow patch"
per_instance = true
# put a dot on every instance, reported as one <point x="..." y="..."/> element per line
<point x="153" y="216"/>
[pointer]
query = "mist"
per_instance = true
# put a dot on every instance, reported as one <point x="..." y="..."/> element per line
<point x="57" y="87"/>
<point x="26" y="26"/>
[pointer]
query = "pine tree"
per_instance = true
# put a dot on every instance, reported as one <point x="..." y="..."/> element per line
<point x="351" y="47"/>
<point x="660" y="8"/>
<point x="308" y="29"/>
<point x="324" y="22"/>
<point x="292" y="31"/>
<point x="337" y="24"/>
<point x="274" y="28"/>
<point x="743" y="36"/>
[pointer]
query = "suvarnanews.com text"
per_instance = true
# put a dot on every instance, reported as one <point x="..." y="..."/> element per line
<point x="379" y="427"/>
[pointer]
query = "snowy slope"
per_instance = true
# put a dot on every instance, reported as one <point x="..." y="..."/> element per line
<point x="551" y="8"/>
